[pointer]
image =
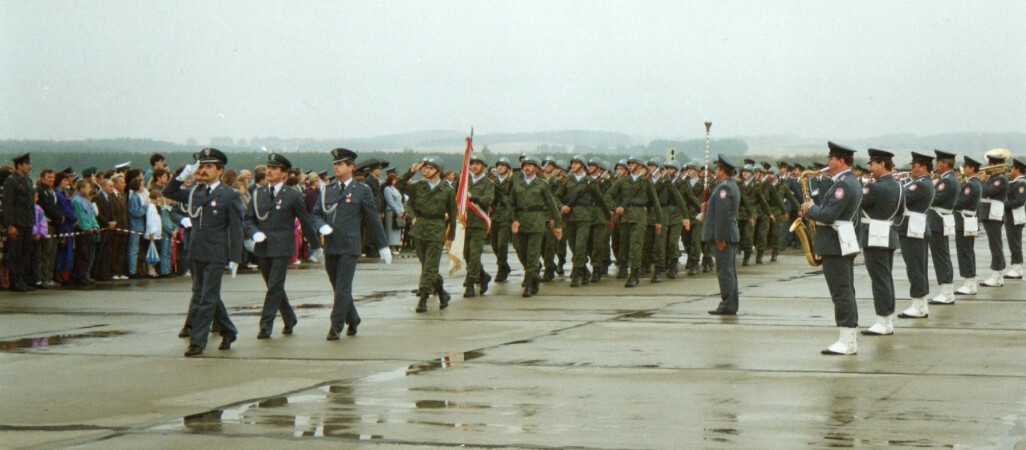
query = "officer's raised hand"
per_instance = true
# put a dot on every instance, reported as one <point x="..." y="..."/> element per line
<point x="189" y="171"/>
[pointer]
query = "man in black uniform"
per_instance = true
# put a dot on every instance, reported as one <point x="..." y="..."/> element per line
<point x="992" y="209"/>
<point x="1015" y="217"/>
<point x="913" y="232"/>
<point x="837" y="244"/>
<point x="941" y="221"/>
<point x="967" y="226"/>
<point x="720" y="231"/>
<point x="882" y="201"/>
<point x="20" y="216"/>
<point x="270" y="225"/>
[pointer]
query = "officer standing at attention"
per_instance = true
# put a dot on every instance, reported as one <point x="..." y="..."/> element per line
<point x="348" y="206"/>
<point x="270" y="227"/>
<point x="837" y="244"/>
<point x="20" y="216"/>
<point x="882" y="201"/>
<point x="502" y="217"/>
<point x="534" y="213"/>
<point x="579" y="194"/>
<point x="992" y="208"/>
<point x="941" y="221"/>
<point x="482" y="193"/>
<point x="637" y="203"/>
<point x="967" y="226"/>
<point x="216" y="213"/>
<point x="433" y="205"/>
<point x="913" y="232"/>
<point x="1015" y="217"/>
<point x="721" y="233"/>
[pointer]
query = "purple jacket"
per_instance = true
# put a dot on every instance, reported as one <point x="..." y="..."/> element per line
<point x="40" y="228"/>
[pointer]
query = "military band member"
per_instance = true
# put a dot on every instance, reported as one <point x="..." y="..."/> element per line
<point x="720" y="231"/>
<point x="502" y="217"/>
<point x="20" y="216"/>
<point x="1015" y="217"/>
<point x="534" y="213"/>
<point x="217" y="234"/>
<point x="967" y="226"/>
<point x="992" y="208"/>
<point x="433" y="205"/>
<point x="882" y="201"/>
<point x="482" y="194"/>
<point x="599" y="245"/>
<point x="913" y="234"/>
<point x="579" y="194"/>
<point x="839" y="205"/>
<point x="270" y="226"/>
<point x="941" y="221"/>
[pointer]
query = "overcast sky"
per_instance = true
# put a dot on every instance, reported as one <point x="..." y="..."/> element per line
<point x="175" y="70"/>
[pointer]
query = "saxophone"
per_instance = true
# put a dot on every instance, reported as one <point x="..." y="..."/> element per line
<point x="807" y="234"/>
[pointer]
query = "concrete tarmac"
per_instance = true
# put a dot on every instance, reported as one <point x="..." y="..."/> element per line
<point x="596" y="367"/>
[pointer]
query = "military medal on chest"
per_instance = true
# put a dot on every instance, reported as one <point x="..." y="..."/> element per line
<point x="278" y="206"/>
<point x="349" y="197"/>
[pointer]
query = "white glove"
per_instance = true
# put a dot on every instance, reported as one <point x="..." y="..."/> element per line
<point x="233" y="267"/>
<point x="187" y="222"/>
<point x="259" y="237"/>
<point x="326" y="230"/>
<point x="386" y="255"/>
<point x="188" y="171"/>
<point x="249" y="245"/>
<point x="317" y="255"/>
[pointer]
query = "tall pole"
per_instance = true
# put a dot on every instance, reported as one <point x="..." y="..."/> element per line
<point x="705" y="174"/>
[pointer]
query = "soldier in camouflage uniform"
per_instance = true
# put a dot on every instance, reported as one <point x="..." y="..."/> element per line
<point x="692" y="237"/>
<point x="502" y="217"/>
<point x="747" y="212"/>
<point x="766" y="225"/>
<point x="482" y="194"/>
<point x="561" y="245"/>
<point x="598" y="246"/>
<point x="619" y="172"/>
<point x="549" y="241"/>
<point x="634" y="195"/>
<point x="432" y="204"/>
<point x="671" y="202"/>
<point x="534" y="212"/>
<point x="788" y="200"/>
<point x="579" y="194"/>
<point x="758" y="188"/>
<point x="677" y="214"/>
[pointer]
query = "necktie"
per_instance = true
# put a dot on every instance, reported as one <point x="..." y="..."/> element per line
<point x="208" y="191"/>
<point x="273" y="193"/>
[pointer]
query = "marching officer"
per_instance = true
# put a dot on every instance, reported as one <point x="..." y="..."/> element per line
<point x="19" y="216"/>
<point x="482" y="194"/>
<point x="835" y="233"/>
<point x="913" y="233"/>
<point x="941" y="221"/>
<point x="579" y="194"/>
<point x="502" y="217"/>
<point x="347" y="206"/>
<point x="216" y="213"/>
<point x="270" y="226"/>
<point x="534" y="213"/>
<point x="635" y="198"/>
<point x="882" y="201"/>
<point x="1015" y="217"/>
<point x="721" y="233"/>
<point x="967" y="226"/>
<point x="992" y="208"/>
<point x="433" y="206"/>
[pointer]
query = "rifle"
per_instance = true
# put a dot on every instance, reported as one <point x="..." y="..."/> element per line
<point x="623" y="204"/>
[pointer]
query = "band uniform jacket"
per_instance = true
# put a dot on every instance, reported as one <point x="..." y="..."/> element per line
<point x="347" y="209"/>
<point x="968" y="200"/>
<point x="19" y="202"/>
<point x="840" y="202"/>
<point x="880" y="201"/>
<point x="1016" y="197"/>
<point x="995" y="188"/>
<point x="276" y="218"/>
<point x="918" y="198"/>
<point x="721" y="213"/>
<point x="944" y="194"/>
<point x="217" y="222"/>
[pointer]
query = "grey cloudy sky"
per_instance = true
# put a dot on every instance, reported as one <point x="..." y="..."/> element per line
<point x="175" y="70"/>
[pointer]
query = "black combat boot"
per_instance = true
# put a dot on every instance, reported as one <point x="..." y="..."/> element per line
<point x="657" y="274"/>
<point x="671" y="271"/>
<point x="758" y="257"/>
<point x="535" y="282"/>
<point x="528" y="287"/>
<point x="748" y="257"/>
<point x="773" y="256"/>
<point x="585" y="276"/>
<point x="422" y="304"/>
<point x="550" y="274"/>
<point x="693" y="270"/>
<point x="575" y="278"/>
<point x="485" y="278"/>
<point x="597" y="275"/>
<point x="632" y="279"/>
<point x="469" y="291"/>
<point x="707" y="264"/>
<point x="559" y="267"/>
<point x="621" y="272"/>
<point x="443" y="298"/>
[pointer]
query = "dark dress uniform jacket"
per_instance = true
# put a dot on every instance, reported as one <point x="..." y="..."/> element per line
<point x="1016" y="197"/>
<point x="944" y="194"/>
<point x="19" y="202"/>
<point x="835" y="207"/>
<point x="918" y="197"/>
<point x="346" y="209"/>
<point x="880" y="199"/>
<point x="995" y="188"/>
<point x="721" y="213"/>
<point x="277" y="218"/>
<point x="968" y="199"/>
<point x="217" y="228"/>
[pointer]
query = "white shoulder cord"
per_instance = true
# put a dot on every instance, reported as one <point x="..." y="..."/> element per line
<point x="198" y="212"/>
<point x="324" y="204"/>
<point x="256" y="210"/>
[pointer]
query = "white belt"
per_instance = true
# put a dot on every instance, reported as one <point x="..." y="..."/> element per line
<point x="823" y="224"/>
<point x="941" y="210"/>
<point x="990" y="200"/>
<point x="967" y="213"/>
<point x="909" y="213"/>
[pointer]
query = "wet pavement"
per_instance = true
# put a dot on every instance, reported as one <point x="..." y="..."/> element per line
<point x="592" y="367"/>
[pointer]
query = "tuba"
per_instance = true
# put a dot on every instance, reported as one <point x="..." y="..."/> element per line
<point x="807" y="234"/>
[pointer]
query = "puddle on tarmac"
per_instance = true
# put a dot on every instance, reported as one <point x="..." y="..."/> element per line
<point x="55" y="340"/>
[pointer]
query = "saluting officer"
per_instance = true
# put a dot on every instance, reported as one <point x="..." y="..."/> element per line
<point x="579" y="194"/>
<point x="913" y="232"/>
<point x="967" y="226"/>
<point x="534" y="213"/>
<point x="20" y="216"/>
<point x="721" y="233"/>
<point x="1015" y="217"/>
<point x="992" y="208"/>
<point x="216" y="213"/>
<point x="347" y="206"/>
<point x="837" y="244"/>
<point x="433" y="205"/>
<point x="941" y="221"/>
<point x="882" y="201"/>
<point x="502" y="217"/>
<point x="270" y="225"/>
<point x="482" y="194"/>
<point x="636" y="201"/>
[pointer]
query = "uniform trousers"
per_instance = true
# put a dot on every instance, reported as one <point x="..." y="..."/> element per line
<point x="940" y="253"/>
<point x="997" y="250"/>
<point x="726" y="275"/>
<point x="762" y="231"/>
<point x="341" y="270"/>
<point x="577" y="237"/>
<point x="529" y="246"/>
<point x="273" y="270"/>
<point x="500" y="237"/>
<point x="548" y="252"/>
<point x="839" y="272"/>
<point x="965" y="251"/>
<point x="19" y="252"/>
<point x="654" y="247"/>
<point x="430" y="255"/>
<point x="747" y="231"/>
<point x="672" y="232"/>
<point x="47" y="258"/>
<point x="632" y="240"/>
<point x="599" y="246"/>
<point x="473" y="245"/>
<point x="773" y="238"/>
<point x="1014" y="235"/>
<point x="913" y="252"/>
<point x="879" y="263"/>
<point x="206" y="306"/>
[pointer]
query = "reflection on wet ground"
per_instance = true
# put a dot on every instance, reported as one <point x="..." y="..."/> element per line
<point x="14" y="345"/>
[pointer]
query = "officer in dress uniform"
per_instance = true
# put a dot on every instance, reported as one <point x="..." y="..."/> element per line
<point x="270" y="227"/>
<point x="913" y="233"/>
<point x="342" y="210"/>
<point x="433" y="206"/>
<point x="20" y="216"/>
<point x="635" y="198"/>
<point x="992" y="208"/>
<point x="882" y="201"/>
<point x="535" y="212"/>
<point x="942" y="209"/>
<point x="721" y="233"/>
<point x="482" y="194"/>
<point x="501" y="217"/>
<point x="1015" y="217"/>
<point x="967" y="226"/>
<point x="578" y="194"/>
<point x="216" y="212"/>
<point x="839" y="205"/>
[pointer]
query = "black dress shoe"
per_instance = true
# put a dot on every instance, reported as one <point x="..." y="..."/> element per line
<point x="226" y="342"/>
<point x="722" y="312"/>
<point x="186" y="332"/>
<point x="193" y="350"/>
<point x="333" y="335"/>
<point x="352" y="328"/>
<point x="264" y="334"/>
<point x="288" y="327"/>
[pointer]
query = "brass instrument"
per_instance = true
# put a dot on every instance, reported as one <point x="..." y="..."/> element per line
<point x="807" y="234"/>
